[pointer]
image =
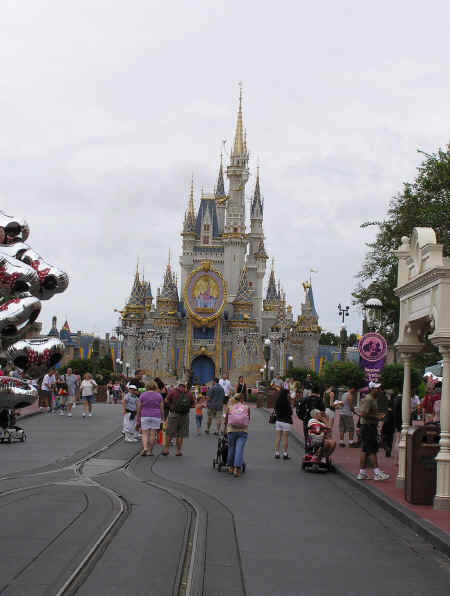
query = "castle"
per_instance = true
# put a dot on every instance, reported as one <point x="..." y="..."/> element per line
<point x="216" y="319"/>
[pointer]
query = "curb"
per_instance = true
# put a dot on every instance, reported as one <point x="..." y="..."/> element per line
<point x="439" y="539"/>
<point x="30" y="415"/>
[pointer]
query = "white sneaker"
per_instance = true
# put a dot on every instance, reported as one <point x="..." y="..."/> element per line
<point x="69" y="415"/>
<point x="84" y="415"/>
<point x="362" y="476"/>
<point x="61" y="413"/>
<point x="131" y="440"/>
<point x="90" y="415"/>
<point x="381" y="476"/>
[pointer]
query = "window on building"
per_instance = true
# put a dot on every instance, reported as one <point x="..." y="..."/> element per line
<point x="250" y="283"/>
<point x="205" y="239"/>
<point x="235" y="229"/>
<point x="206" y="227"/>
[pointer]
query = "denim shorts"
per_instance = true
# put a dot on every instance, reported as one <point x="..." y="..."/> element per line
<point x="90" y="399"/>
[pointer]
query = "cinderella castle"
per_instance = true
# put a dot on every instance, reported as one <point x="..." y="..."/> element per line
<point x="215" y="318"/>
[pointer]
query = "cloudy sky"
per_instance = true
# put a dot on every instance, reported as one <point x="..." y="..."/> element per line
<point x="107" y="107"/>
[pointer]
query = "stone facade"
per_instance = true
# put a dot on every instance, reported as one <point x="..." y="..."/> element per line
<point x="218" y="324"/>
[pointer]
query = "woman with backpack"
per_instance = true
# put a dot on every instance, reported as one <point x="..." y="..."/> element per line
<point x="237" y="418"/>
<point x="283" y="423"/>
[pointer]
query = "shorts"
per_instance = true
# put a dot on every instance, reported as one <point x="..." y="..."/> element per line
<point x="369" y="438"/>
<point x="283" y="426"/>
<point x="346" y="424"/>
<point x="214" y="413"/>
<point x="150" y="423"/>
<point x="66" y="399"/>
<point x="177" y="425"/>
<point x="90" y="399"/>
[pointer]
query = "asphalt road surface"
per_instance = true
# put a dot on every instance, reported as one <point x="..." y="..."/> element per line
<point x="82" y="513"/>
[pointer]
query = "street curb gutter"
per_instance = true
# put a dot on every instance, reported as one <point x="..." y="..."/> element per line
<point x="439" y="539"/>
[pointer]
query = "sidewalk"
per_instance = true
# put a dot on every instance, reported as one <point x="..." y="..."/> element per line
<point x="424" y="519"/>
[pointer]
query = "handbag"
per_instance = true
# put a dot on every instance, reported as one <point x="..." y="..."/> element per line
<point x="272" y="418"/>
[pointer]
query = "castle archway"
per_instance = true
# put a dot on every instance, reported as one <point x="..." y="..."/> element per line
<point x="202" y="369"/>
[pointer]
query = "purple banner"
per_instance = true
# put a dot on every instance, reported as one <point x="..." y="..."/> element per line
<point x="372" y="350"/>
<point x="373" y="370"/>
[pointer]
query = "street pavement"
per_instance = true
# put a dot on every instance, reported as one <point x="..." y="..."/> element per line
<point x="274" y="530"/>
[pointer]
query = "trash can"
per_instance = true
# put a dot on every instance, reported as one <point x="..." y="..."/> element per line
<point x="422" y="446"/>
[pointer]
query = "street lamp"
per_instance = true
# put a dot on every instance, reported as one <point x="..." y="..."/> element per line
<point x="290" y="364"/>
<point x="372" y="315"/>
<point x="271" y="372"/>
<point x="266" y="351"/>
<point x="343" y="312"/>
<point x="119" y="363"/>
<point x="127" y="366"/>
<point x="261" y="370"/>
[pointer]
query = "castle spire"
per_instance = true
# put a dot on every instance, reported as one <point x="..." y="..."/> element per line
<point x="220" y="188"/>
<point x="239" y="145"/>
<point x="257" y="206"/>
<point x="189" y="220"/>
<point x="243" y="294"/>
<point x="272" y="293"/>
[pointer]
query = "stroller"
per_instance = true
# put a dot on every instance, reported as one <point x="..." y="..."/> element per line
<point x="311" y="461"/>
<point x="220" y="461"/>
<point x="9" y="431"/>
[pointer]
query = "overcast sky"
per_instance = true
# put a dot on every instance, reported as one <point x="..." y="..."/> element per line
<point x="107" y="107"/>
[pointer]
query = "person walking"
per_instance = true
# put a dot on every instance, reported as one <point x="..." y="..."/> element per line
<point x="226" y="385"/>
<point x="129" y="409"/>
<point x="346" y="422"/>
<point x="307" y="386"/>
<point x="214" y="406"/>
<point x="88" y="388"/>
<point x="237" y="420"/>
<point x="199" y="405"/>
<point x="241" y="387"/>
<point x="369" y="438"/>
<point x="328" y="401"/>
<point x="47" y="388"/>
<point x="283" y="423"/>
<point x="72" y="390"/>
<point x="180" y="403"/>
<point x="150" y="415"/>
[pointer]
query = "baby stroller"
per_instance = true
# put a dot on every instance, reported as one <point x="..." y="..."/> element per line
<point x="312" y="462"/>
<point x="220" y="461"/>
<point x="9" y="431"/>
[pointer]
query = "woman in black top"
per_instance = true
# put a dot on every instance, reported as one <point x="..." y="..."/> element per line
<point x="241" y="387"/>
<point x="163" y="390"/>
<point x="283" y="413"/>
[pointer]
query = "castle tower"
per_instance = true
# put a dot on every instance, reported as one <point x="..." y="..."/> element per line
<point x="257" y="257"/>
<point x="243" y="302"/>
<point x="221" y="198"/>
<point x="189" y="236"/>
<point x="167" y="300"/>
<point x="235" y="242"/>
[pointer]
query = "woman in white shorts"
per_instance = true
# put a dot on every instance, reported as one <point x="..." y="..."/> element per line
<point x="150" y="414"/>
<point x="283" y="424"/>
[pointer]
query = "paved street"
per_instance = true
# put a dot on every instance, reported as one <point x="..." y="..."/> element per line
<point x="176" y="526"/>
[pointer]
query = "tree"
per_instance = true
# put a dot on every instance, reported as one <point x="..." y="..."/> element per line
<point x="343" y="374"/>
<point x="424" y="202"/>
<point x="328" y="339"/>
<point x="392" y="378"/>
<point x="299" y="374"/>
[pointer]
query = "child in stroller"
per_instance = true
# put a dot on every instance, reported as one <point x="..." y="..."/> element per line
<point x="320" y="445"/>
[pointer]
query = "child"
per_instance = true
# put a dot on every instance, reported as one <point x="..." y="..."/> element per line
<point x="129" y="408"/>
<point x="199" y="413"/>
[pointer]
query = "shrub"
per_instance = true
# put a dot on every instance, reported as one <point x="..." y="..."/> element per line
<point x="343" y="374"/>
<point x="392" y="378"/>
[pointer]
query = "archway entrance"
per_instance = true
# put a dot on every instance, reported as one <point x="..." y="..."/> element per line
<point x="202" y="370"/>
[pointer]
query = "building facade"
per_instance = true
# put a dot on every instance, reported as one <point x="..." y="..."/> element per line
<point x="215" y="318"/>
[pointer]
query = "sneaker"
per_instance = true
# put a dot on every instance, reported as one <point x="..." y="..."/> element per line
<point x="131" y="440"/>
<point x="341" y="444"/>
<point x="277" y="456"/>
<point x="90" y="415"/>
<point x="84" y="415"/>
<point x="286" y="456"/>
<point x="61" y="413"/>
<point x="381" y="476"/>
<point x="362" y="476"/>
<point x="69" y="415"/>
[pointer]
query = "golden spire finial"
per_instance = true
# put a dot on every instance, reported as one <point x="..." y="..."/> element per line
<point x="169" y="258"/>
<point x="239" y="136"/>
<point x="191" y="210"/>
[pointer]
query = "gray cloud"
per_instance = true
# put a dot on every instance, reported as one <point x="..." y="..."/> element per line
<point x="107" y="108"/>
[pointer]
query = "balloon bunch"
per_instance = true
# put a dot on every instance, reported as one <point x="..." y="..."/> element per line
<point x="25" y="279"/>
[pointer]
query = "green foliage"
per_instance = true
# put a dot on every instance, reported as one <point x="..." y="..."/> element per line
<point x="392" y="378"/>
<point x="426" y="203"/>
<point x="328" y="339"/>
<point x="343" y="374"/>
<point x="299" y="374"/>
<point x="95" y="367"/>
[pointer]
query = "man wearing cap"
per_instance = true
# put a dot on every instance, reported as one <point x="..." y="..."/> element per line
<point x="180" y="402"/>
<point x="369" y="436"/>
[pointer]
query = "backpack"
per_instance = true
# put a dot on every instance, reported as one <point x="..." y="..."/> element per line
<point x="303" y="410"/>
<point x="183" y="403"/>
<point x="238" y="416"/>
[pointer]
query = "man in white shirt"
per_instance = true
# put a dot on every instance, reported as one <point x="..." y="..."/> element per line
<point x="226" y="385"/>
<point x="47" y="386"/>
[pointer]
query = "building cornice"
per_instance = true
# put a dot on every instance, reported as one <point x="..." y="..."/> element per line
<point x="423" y="280"/>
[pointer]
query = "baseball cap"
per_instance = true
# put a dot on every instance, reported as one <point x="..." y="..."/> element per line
<point x="373" y="385"/>
<point x="132" y="387"/>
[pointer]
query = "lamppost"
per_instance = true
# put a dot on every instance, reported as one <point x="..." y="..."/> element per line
<point x="372" y="315"/>
<point x="290" y="364"/>
<point x="127" y="367"/>
<point x="261" y="371"/>
<point x="266" y="351"/>
<point x="271" y="372"/>
<point x="119" y="364"/>
<point x="343" y="312"/>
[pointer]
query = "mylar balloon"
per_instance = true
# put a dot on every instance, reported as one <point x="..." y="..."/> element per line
<point x="12" y="229"/>
<point x="36" y="356"/>
<point x="16" y="276"/>
<point x="16" y="393"/>
<point x="17" y="315"/>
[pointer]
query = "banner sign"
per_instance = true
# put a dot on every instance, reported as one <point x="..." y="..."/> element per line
<point x="372" y="348"/>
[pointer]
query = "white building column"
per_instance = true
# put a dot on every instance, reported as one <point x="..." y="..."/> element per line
<point x="406" y="416"/>
<point x="442" y="498"/>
